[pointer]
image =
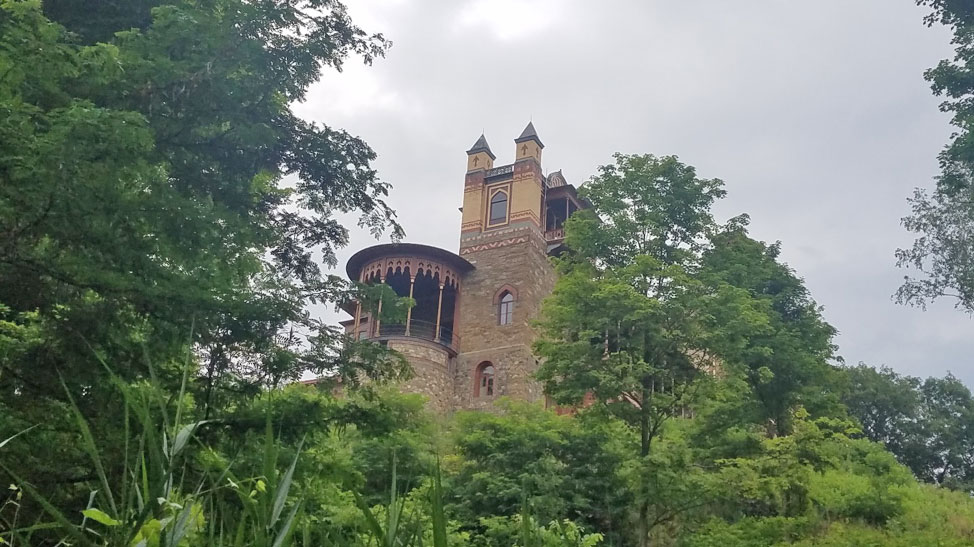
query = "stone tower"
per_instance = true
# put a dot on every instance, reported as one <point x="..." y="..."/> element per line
<point x="502" y="235"/>
<point x="468" y="338"/>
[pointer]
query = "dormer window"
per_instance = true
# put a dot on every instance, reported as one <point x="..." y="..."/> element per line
<point x="497" y="213"/>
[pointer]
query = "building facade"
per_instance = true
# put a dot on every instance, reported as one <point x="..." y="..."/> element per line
<point x="468" y="338"/>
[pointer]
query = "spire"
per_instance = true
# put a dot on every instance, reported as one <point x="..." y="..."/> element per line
<point x="528" y="134"/>
<point x="481" y="146"/>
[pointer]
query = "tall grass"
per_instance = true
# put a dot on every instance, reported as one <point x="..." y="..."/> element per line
<point x="150" y="502"/>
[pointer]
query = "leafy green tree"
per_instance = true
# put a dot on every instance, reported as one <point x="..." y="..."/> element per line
<point x="887" y="405"/>
<point x="644" y="205"/>
<point x="786" y="364"/>
<point x="944" y="218"/>
<point x="928" y="425"/>
<point x="159" y="198"/>
<point x="948" y="419"/>
<point x="556" y="467"/>
<point x="629" y="323"/>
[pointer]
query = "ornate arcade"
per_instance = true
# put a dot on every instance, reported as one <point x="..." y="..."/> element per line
<point x="429" y="275"/>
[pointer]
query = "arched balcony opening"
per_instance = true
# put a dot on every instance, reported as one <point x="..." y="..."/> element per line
<point x="430" y="276"/>
<point x="433" y="314"/>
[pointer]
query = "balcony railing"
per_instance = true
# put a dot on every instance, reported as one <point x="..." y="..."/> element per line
<point x="499" y="171"/>
<point x="424" y="330"/>
<point x="555" y="235"/>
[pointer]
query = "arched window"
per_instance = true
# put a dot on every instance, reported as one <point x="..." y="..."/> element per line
<point x="505" y="309"/>
<point x="485" y="380"/>
<point x="498" y="209"/>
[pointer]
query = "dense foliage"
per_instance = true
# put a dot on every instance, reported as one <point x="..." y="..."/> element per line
<point x="163" y="219"/>
<point x="301" y="466"/>
<point x="144" y="211"/>
<point x="928" y="424"/>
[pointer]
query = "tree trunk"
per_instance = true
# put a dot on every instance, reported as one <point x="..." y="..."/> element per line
<point x="643" y="524"/>
<point x="210" y="371"/>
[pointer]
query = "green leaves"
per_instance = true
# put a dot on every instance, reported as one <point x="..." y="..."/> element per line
<point x="143" y="152"/>
<point x="657" y="308"/>
<point x="643" y="205"/>
<point x="939" y="261"/>
<point x="928" y="424"/>
<point x="764" y="323"/>
<point x="98" y="515"/>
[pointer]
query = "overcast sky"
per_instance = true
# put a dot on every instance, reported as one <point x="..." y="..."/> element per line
<point x="815" y="114"/>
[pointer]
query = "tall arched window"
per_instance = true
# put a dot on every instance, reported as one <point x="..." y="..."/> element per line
<point x="505" y="309"/>
<point x="498" y="209"/>
<point x="485" y="380"/>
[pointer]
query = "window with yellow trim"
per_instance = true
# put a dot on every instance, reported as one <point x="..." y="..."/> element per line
<point x="497" y="212"/>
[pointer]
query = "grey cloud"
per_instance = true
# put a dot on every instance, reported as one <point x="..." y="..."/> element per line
<point x="815" y="115"/>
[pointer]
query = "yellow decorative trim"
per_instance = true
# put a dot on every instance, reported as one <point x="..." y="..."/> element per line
<point x="526" y="214"/>
<point x="492" y="191"/>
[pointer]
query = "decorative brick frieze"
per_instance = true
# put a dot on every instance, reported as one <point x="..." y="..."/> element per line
<point x="493" y="245"/>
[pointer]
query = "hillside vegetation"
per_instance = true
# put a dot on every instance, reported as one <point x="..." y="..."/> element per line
<point x="166" y="223"/>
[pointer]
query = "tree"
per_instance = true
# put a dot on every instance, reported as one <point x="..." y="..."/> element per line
<point x="928" y="424"/>
<point x="786" y="364"/>
<point x="948" y="418"/>
<point x="628" y="323"/>
<point x="159" y="199"/>
<point x="527" y="458"/>
<point x="886" y="404"/>
<point x="944" y="218"/>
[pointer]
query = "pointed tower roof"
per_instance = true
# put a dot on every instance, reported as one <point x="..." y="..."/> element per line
<point x="482" y="146"/>
<point x="528" y="134"/>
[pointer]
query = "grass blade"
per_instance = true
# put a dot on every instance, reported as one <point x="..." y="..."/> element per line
<point x="370" y="520"/>
<point x="436" y="504"/>
<point x="15" y="435"/>
<point x="181" y="526"/>
<point x="90" y="447"/>
<point x="285" y="531"/>
<point x="282" y="489"/>
<point x="64" y="523"/>
<point x="183" y="437"/>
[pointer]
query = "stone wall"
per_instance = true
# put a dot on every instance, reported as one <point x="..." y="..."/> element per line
<point x="432" y="371"/>
<point x="513" y="258"/>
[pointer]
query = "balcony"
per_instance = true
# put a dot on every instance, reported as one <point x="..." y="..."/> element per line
<point x="555" y="236"/>
<point x="423" y="330"/>
<point x="502" y="171"/>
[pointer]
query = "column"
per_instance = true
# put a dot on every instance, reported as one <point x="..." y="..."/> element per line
<point x="358" y="319"/>
<point x="358" y="311"/>
<point x="409" y="312"/>
<point x="439" y="308"/>
<point x="378" y="312"/>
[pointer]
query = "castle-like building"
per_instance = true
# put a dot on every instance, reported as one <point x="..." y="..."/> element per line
<point x="469" y="336"/>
